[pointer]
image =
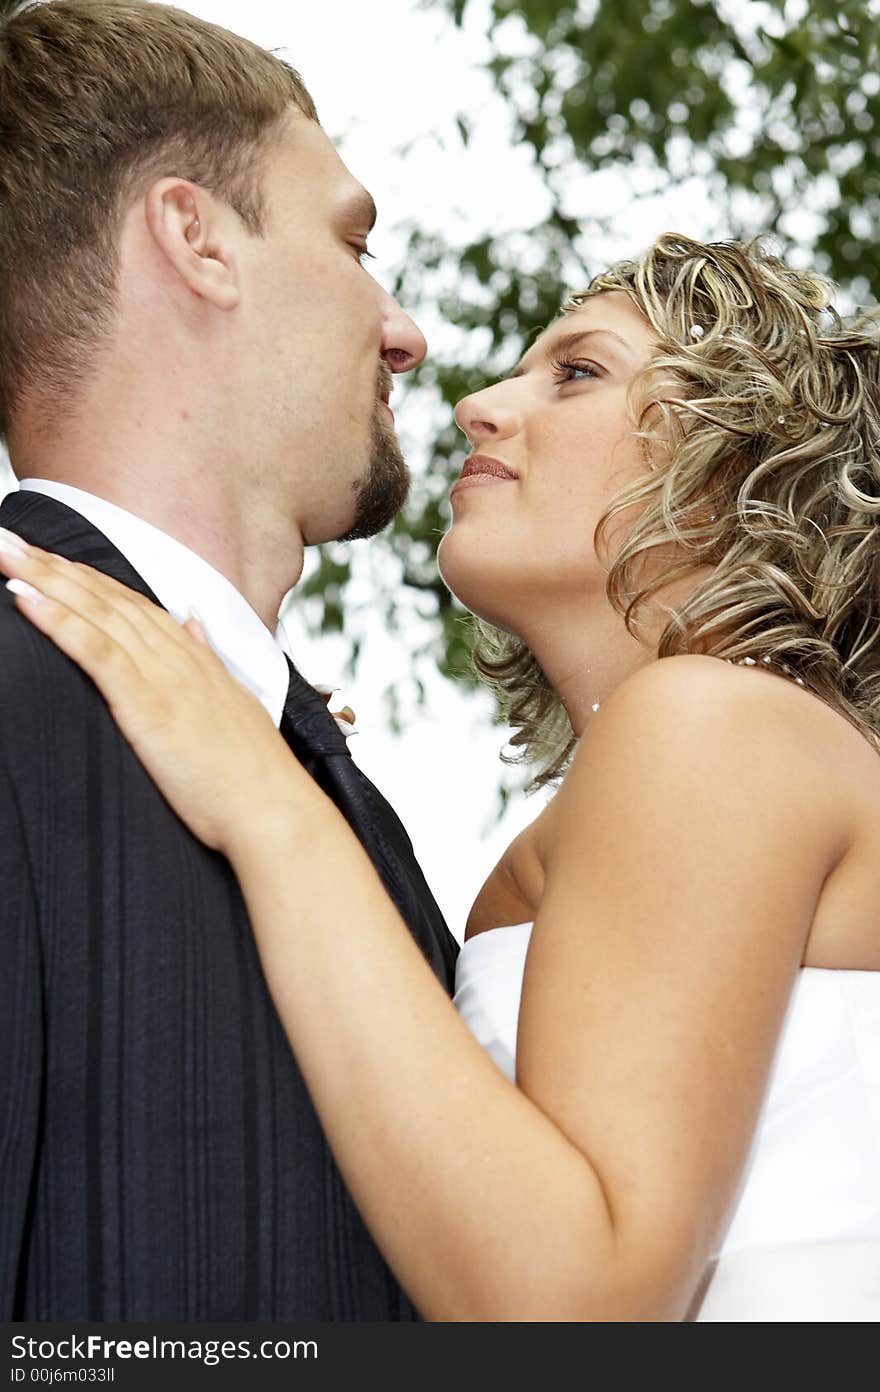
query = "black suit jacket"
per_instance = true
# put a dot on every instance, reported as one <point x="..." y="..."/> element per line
<point x="160" y="1158"/>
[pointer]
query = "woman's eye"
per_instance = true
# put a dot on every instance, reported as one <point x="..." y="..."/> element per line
<point x="364" y="254"/>
<point x="564" y="370"/>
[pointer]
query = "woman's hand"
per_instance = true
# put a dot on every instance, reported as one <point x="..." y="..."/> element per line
<point x="207" y="742"/>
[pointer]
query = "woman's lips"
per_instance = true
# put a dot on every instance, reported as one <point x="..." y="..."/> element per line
<point x="482" y="469"/>
<point x="478" y="481"/>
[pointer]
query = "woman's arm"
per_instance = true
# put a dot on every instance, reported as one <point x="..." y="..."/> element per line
<point x="680" y="892"/>
<point x="681" y="886"/>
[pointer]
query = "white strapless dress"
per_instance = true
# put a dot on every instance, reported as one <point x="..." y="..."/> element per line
<point x="802" y="1239"/>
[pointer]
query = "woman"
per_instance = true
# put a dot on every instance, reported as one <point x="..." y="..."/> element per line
<point x="703" y="888"/>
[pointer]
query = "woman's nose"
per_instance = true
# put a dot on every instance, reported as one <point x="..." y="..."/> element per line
<point x="485" y="416"/>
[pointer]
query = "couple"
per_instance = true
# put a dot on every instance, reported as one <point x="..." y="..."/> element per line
<point x="233" y="1082"/>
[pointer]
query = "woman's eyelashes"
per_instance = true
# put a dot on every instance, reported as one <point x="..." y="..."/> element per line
<point x="571" y="370"/>
<point x="364" y="254"/>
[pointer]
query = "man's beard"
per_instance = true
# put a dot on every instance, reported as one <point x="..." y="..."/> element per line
<point x="383" y="492"/>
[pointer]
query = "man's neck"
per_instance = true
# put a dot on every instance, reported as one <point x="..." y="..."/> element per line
<point x="178" y="456"/>
<point x="247" y="546"/>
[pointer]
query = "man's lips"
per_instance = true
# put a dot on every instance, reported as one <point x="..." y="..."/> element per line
<point x="480" y="469"/>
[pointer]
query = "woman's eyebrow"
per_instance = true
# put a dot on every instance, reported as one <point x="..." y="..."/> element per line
<point x="566" y="342"/>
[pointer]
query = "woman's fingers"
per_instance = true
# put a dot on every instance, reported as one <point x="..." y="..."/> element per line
<point x="144" y="630"/>
<point x="132" y="619"/>
<point x="64" y="582"/>
<point x="193" y="625"/>
<point x="109" y="664"/>
<point x="209" y="744"/>
<point x="106" y="628"/>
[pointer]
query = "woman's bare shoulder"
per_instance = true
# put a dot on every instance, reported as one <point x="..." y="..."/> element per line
<point x="695" y="743"/>
<point x="709" y="714"/>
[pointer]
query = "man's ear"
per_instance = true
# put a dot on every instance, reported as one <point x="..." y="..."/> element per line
<point x="190" y="230"/>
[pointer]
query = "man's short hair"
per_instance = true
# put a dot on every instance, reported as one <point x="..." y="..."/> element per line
<point x="98" y="99"/>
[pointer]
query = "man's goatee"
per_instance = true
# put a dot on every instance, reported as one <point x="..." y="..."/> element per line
<point x="384" y="491"/>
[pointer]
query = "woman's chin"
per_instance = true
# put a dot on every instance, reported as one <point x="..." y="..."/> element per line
<point x="457" y="569"/>
<point x="470" y="576"/>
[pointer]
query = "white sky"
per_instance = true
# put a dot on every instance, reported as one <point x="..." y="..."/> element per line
<point x="387" y="80"/>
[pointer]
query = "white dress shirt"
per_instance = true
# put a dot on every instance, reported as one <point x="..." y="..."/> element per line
<point x="186" y="584"/>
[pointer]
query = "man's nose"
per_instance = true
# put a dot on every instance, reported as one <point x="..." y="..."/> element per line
<point x="403" y="343"/>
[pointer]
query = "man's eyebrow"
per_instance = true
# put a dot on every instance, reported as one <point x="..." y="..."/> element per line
<point x="566" y="342"/>
<point x="361" y="209"/>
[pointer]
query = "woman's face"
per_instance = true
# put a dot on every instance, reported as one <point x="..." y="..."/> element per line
<point x="551" y="445"/>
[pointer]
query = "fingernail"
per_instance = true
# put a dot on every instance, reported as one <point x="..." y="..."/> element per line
<point x="12" y="544"/>
<point x="323" y="690"/>
<point x="194" y="614"/>
<point x="344" y="726"/>
<point x="26" y="591"/>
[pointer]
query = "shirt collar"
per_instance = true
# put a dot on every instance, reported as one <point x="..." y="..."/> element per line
<point x="184" y="583"/>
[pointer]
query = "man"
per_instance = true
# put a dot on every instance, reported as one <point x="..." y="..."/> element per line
<point x="194" y="374"/>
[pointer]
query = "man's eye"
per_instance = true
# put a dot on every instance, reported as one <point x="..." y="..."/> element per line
<point x="566" y="370"/>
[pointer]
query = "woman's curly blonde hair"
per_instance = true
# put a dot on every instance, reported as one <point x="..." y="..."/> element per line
<point x="762" y="462"/>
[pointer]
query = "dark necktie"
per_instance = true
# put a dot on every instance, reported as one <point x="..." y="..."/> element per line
<point x="316" y="740"/>
<point x="318" y="743"/>
<point x="307" y="722"/>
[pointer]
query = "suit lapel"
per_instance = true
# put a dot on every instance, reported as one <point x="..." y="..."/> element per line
<point x="53" y="526"/>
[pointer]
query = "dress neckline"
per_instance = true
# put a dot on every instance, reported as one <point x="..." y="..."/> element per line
<point x="502" y="928"/>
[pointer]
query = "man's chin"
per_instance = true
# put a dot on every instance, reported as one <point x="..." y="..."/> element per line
<point x="377" y="507"/>
<point x="382" y="494"/>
